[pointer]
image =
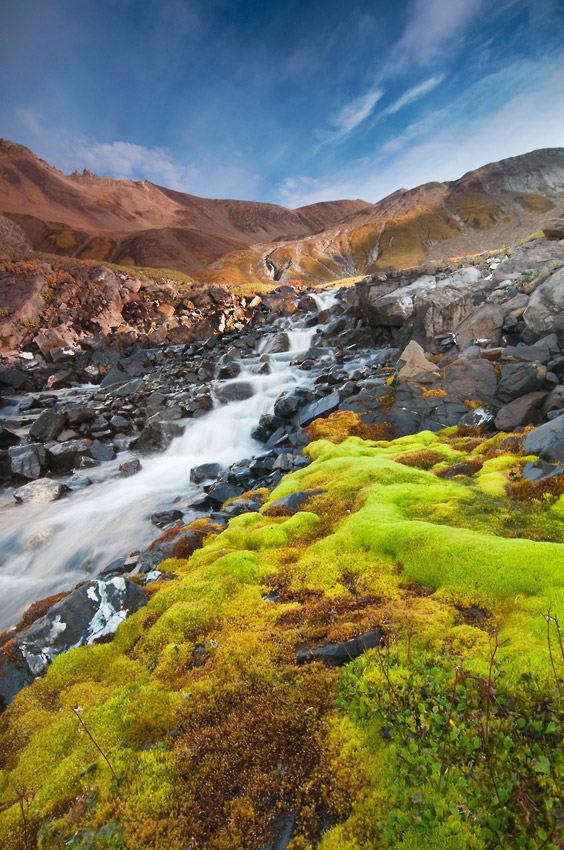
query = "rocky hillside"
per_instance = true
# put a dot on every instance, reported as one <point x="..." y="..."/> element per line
<point x="82" y="215"/>
<point x="485" y="209"/>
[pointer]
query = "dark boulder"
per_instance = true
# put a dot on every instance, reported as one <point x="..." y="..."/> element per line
<point x="339" y="654"/>
<point x="91" y="612"/>
<point x="236" y="391"/>
<point x="29" y="461"/>
<point x="204" y="472"/>
<point x="291" y="504"/>
<point x="318" y="409"/>
<point x="47" y="426"/>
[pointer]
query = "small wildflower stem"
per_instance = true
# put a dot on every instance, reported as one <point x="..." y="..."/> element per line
<point x="548" y="622"/>
<point x="98" y="747"/>
<point x="22" y="798"/>
<point x="447" y="730"/>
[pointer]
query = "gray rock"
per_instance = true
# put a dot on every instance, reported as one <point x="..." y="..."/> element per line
<point x="114" y="377"/>
<point x="486" y="322"/>
<point x="220" y="493"/>
<point x="129" y="467"/>
<point x="291" y="504"/>
<point x="554" y="453"/>
<point x="518" y="381"/>
<point x="102" y="451"/>
<point x="236" y="391"/>
<point x="42" y="490"/>
<point x="286" y="405"/>
<point x="519" y="411"/>
<point x="29" y="461"/>
<point x="539" y="440"/>
<point x="64" y="456"/>
<point x="553" y="229"/>
<point x="162" y="518"/>
<point x="541" y="469"/>
<point x="545" y="313"/>
<point x="204" y="471"/>
<point x="412" y="361"/>
<point x="47" y="426"/>
<point x="318" y="409"/>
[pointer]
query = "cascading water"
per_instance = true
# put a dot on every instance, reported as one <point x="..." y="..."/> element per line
<point x="50" y="547"/>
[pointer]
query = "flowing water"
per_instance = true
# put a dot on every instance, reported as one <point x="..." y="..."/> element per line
<point x="50" y="547"/>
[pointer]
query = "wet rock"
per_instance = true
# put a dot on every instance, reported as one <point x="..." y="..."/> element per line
<point x="291" y="504"/>
<point x="319" y="409"/>
<point x="28" y="461"/>
<point x="157" y="435"/>
<point x="42" y="490"/>
<point x="268" y="424"/>
<point x="47" y="426"/>
<point x="237" y="391"/>
<point x="229" y="368"/>
<point x="162" y="518"/>
<point x="221" y="493"/>
<point x="102" y="451"/>
<point x="286" y="405"/>
<point x="339" y="654"/>
<point x="64" y="456"/>
<point x="519" y="411"/>
<point x="277" y="344"/>
<point x="204" y="471"/>
<point x="78" y="482"/>
<point x="129" y="467"/>
<point x="89" y="613"/>
<point x="119" y="423"/>
<point x="8" y="438"/>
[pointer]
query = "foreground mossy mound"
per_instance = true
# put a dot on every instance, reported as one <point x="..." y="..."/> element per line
<point x="195" y="727"/>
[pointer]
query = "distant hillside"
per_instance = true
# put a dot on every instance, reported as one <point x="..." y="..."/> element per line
<point x="485" y="209"/>
<point x="237" y="242"/>
<point x="82" y="215"/>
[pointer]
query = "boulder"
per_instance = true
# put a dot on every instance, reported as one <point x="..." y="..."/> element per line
<point x="412" y="361"/>
<point x="339" y="654"/>
<point x="42" y="490"/>
<point x="236" y="391"/>
<point x="553" y="229"/>
<point x="541" y="469"/>
<point x="291" y="504"/>
<point x="64" y="456"/>
<point x="204" y="471"/>
<point x="518" y="381"/>
<point x="47" y="426"/>
<point x="539" y="440"/>
<point x="91" y="612"/>
<point x="319" y="409"/>
<point x="29" y="461"/>
<point x="486" y="322"/>
<point x="519" y="411"/>
<point x="545" y="312"/>
<point x="129" y="467"/>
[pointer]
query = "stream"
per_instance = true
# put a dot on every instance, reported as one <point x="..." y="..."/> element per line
<point x="49" y="547"/>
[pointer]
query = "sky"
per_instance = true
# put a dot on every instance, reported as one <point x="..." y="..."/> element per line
<point x="289" y="102"/>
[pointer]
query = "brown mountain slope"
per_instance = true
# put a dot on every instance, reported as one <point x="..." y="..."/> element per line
<point x="483" y="210"/>
<point x="121" y="220"/>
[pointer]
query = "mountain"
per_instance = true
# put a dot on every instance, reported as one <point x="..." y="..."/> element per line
<point x="90" y="217"/>
<point x="236" y="242"/>
<point x="488" y="208"/>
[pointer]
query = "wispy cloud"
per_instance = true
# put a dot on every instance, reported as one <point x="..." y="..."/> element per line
<point x="414" y="93"/>
<point x="126" y="161"/>
<point x="29" y="120"/>
<point x="433" y="27"/>
<point x="350" y="116"/>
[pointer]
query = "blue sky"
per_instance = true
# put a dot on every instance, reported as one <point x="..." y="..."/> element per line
<point x="288" y="102"/>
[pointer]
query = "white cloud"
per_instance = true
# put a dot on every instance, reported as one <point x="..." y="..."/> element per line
<point x="415" y="93"/>
<point x="351" y="115"/>
<point x="433" y="27"/>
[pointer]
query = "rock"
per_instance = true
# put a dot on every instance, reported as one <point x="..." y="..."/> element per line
<point x="486" y="322"/>
<point x="539" y="440"/>
<point x="268" y="424"/>
<point x="518" y="381"/>
<point x="291" y="504"/>
<point x="545" y="312"/>
<point x="157" y="435"/>
<point x="102" y="451"/>
<point x="554" y="453"/>
<point x="42" y="490"/>
<point x="338" y="654"/>
<point x="204" y="472"/>
<point x="542" y="351"/>
<point x="129" y="467"/>
<point x="277" y="344"/>
<point x="90" y="612"/>
<point x="29" y="461"/>
<point x="220" y="493"/>
<point x="8" y="438"/>
<point x="555" y="400"/>
<point x="286" y="405"/>
<point x="541" y="469"/>
<point x="162" y="518"/>
<point x="229" y="369"/>
<point x="519" y="411"/>
<point x="47" y="426"/>
<point x="119" y="424"/>
<point x="114" y="377"/>
<point x="476" y="418"/>
<point x="78" y="482"/>
<point x="318" y="409"/>
<point x="553" y="229"/>
<point x="236" y="391"/>
<point x="64" y="456"/>
<point x="412" y="361"/>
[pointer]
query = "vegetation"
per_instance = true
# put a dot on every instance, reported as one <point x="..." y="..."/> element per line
<point x="203" y="731"/>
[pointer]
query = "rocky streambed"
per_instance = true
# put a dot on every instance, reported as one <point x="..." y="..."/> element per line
<point x="94" y="472"/>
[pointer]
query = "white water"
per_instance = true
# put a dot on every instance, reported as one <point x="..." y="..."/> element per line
<point x="50" y="547"/>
